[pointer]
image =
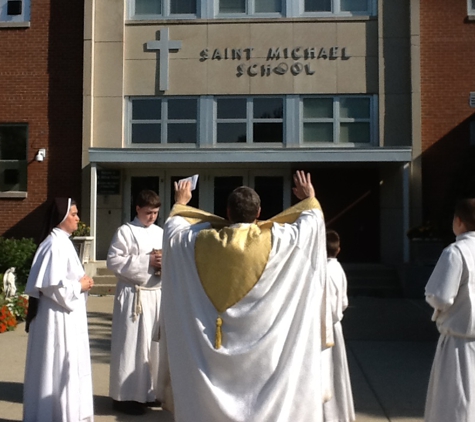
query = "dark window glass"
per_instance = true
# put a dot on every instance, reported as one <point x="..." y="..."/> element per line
<point x="13" y="139"/>
<point x="231" y="108"/>
<point x="146" y="109"/>
<point x="180" y="109"/>
<point x="268" y="6"/>
<point x="268" y="108"/>
<point x="231" y="132"/>
<point x="181" y="133"/>
<point x="318" y="5"/>
<point x="148" y="133"/>
<point x="148" y="7"/>
<point x="183" y="6"/>
<point x="268" y="132"/>
<point x="195" y="195"/>
<point x="232" y="6"/>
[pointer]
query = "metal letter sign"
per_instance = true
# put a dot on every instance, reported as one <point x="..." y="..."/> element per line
<point x="164" y="45"/>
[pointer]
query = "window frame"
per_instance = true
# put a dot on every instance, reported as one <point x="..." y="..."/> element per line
<point x="166" y="14"/>
<point x="164" y="122"/>
<point x="250" y="7"/>
<point x="18" y="163"/>
<point x="336" y="10"/>
<point x="470" y="8"/>
<point x="249" y="120"/>
<point x="337" y="121"/>
<point x="15" y="20"/>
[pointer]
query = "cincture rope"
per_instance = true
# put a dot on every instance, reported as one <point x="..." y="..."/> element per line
<point x="137" y="307"/>
<point x="217" y="341"/>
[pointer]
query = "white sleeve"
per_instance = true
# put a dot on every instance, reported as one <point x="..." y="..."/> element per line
<point x="444" y="283"/>
<point x="126" y="261"/>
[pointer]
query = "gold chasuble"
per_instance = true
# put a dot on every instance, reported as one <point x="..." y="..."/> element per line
<point x="230" y="259"/>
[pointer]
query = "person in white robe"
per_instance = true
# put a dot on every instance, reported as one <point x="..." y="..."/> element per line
<point x="340" y="407"/>
<point x="58" y="381"/>
<point x="451" y="292"/>
<point x="243" y="309"/>
<point x="135" y="258"/>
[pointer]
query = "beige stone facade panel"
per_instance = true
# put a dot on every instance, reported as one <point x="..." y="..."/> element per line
<point x="108" y="128"/>
<point x="323" y="81"/>
<point x="109" y="20"/>
<point x="222" y="79"/>
<point x="193" y="39"/>
<point x="309" y="34"/>
<point x="87" y="123"/>
<point x="270" y="35"/>
<point x="228" y="36"/>
<point x="88" y="19"/>
<point x="187" y="77"/>
<point x="272" y="84"/>
<point x="359" y="38"/>
<point x="357" y="75"/>
<point x="108" y="69"/>
<point x="87" y="68"/>
<point x="141" y="77"/>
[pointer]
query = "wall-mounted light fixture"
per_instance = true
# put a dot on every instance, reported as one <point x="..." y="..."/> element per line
<point x="40" y="155"/>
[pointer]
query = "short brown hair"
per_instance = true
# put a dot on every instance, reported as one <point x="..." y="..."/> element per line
<point x="465" y="210"/>
<point x="333" y="243"/>
<point x="243" y="205"/>
<point x="148" y="198"/>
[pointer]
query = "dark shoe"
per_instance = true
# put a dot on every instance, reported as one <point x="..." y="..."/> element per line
<point x="129" y="407"/>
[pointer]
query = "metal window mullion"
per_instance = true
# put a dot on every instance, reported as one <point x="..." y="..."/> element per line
<point x="166" y="8"/>
<point x="292" y="120"/>
<point x="164" y="128"/>
<point x="336" y="120"/>
<point x="336" y="6"/>
<point x="250" y="121"/>
<point x="250" y="7"/>
<point x="374" y="124"/>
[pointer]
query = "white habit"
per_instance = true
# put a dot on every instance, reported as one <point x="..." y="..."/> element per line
<point x="256" y="358"/>
<point x="58" y="383"/>
<point x="340" y="407"/>
<point x="134" y="347"/>
<point x="451" y="292"/>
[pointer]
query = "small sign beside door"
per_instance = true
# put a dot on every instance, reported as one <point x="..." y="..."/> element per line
<point x="108" y="182"/>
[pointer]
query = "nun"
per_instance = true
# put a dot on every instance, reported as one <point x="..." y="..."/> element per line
<point x="58" y="382"/>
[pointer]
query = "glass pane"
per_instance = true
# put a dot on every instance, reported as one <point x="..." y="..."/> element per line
<point x="146" y="109"/>
<point x="232" y="6"/>
<point x="181" y="133"/>
<point x="268" y="132"/>
<point x="146" y="133"/>
<point x="182" y="109"/>
<point x="271" y="191"/>
<point x="148" y="7"/>
<point x="318" y="132"/>
<point x="195" y="195"/>
<point x="318" y="108"/>
<point x="138" y="184"/>
<point x="223" y="186"/>
<point x="355" y="132"/>
<point x="268" y="108"/>
<point x="473" y="4"/>
<point x="231" y="108"/>
<point x="355" y="108"/>
<point x="231" y="132"/>
<point x="183" y="7"/>
<point x="354" y="5"/>
<point x="13" y="140"/>
<point x="318" y="5"/>
<point x="268" y="6"/>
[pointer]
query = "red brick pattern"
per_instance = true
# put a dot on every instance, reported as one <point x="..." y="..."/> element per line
<point x="41" y="84"/>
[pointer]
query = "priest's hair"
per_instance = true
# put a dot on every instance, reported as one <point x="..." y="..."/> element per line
<point x="465" y="210"/>
<point x="243" y="205"/>
<point x="147" y="198"/>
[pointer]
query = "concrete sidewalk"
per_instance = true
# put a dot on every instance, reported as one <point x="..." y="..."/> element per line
<point x="390" y="343"/>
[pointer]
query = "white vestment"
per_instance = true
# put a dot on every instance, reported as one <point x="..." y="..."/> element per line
<point x="267" y="366"/>
<point x="58" y="382"/>
<point x="451" y="292"/>
<point x="135" y="320"/>
<point x="340" y="407"/>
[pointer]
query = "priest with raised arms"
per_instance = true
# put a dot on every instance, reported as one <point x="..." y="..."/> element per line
<point x="243" y="308"/>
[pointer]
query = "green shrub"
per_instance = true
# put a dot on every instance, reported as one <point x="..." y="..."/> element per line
<point x="17" y="253"/>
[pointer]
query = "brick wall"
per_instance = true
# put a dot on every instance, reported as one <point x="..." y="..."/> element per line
<point x="41" y="84"/>
<point x="447" y="78"/>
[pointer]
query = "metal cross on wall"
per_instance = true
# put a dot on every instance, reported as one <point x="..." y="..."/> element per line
<point x="164" y="45"/>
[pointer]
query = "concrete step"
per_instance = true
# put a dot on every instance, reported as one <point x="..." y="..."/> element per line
<point x="104" y="284"/>
<point x="103" y="290"/>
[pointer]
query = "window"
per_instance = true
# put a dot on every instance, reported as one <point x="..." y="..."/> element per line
<point x="471" y="7"/>
<point x="163" y="8"/>
<point x="343" y="120"/>
<point x="14" y="12"/>
<point x="164" y="120"/>
<point x="249" y="120"/>
<point x="13" y="155"/>
<point x="362" y="7"/>
<point x="249" y="7"/>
